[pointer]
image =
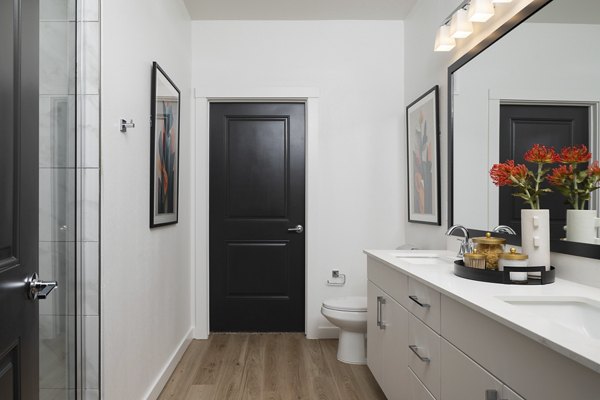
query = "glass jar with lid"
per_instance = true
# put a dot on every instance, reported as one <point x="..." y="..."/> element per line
<point x="491" y="247"/>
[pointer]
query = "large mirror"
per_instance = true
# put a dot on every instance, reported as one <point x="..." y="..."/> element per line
<point x="539" y="83"/>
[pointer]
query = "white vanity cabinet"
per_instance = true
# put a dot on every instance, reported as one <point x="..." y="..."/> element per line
<point x="387" y="342"/>
<point x="424" y="345"/>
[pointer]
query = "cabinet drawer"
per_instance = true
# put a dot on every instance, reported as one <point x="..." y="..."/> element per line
<point x="506" y="354"/>
<point x="416" y="389"/>
<point x="392" y="282"/>
<point x="424" y="354"/>
<point x="424" y="303"/>
<point x="462" y="378"/>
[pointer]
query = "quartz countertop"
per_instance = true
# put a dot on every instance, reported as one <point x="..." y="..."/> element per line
<point x="486" y="298"/>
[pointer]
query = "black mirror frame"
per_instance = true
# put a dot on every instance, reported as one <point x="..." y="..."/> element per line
<point x="557" y="246"/>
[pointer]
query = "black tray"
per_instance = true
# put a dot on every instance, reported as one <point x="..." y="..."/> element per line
<point x="486" y="275"/>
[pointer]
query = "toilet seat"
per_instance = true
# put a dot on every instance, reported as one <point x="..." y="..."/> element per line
<point x="347" y="304"/>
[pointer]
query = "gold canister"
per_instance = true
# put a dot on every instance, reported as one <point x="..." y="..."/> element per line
<point x="491" y="247"/>
<point x="474" y="259"/>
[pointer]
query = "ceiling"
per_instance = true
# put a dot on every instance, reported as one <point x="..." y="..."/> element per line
<point x="299" y="9"/>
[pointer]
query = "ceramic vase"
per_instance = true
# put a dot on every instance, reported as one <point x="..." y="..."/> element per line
<point x="535" y="237"/>
<point x="582" y="226"/>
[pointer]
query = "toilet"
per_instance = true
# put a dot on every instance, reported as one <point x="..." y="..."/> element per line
<point x="350" y="315"/>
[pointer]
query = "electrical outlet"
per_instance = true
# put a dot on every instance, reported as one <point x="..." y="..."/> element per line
<point x="335" y="273"/>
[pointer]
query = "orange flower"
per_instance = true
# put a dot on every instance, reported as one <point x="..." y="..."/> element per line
<point x="559" y="175"/>
<point x="501" y="174"/>
<point x="594" y="170"/>
<point x="541" y="154"/>
<point x="575" y="154"/>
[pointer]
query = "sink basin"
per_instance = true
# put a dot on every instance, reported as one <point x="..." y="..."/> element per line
<point x="422" y="257"/>
<point x="576" y="313"/>
<point x="408" y="254"/>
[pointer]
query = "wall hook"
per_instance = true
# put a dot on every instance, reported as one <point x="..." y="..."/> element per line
<point x="125" y="125"/>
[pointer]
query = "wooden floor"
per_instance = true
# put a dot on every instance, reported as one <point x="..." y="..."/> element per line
<point x="267" y="366"/>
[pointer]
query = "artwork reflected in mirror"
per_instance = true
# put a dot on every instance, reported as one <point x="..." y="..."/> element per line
<point x="164" y="158"/>
<point x="539" y="84"/>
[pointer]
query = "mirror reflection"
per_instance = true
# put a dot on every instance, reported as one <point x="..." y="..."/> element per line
<point x="539" y="84"/>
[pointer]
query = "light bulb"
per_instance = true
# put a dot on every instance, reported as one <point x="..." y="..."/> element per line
<point x="480" y="10"/>
<point x="501" y="1"/>
<point x="460" y="26"/>
<point x="443" y="41"/>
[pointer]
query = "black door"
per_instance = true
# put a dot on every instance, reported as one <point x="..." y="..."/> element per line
<point x="522" y="126"/>
<point x="18" y="198"/>
<point x="256" y="197"/>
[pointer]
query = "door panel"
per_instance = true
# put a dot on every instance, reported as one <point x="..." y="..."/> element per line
<point x="523" y="126"/>
<point x="256" y="194"/>
<point x="257" y="167"/>
<point x="19" y="27"/>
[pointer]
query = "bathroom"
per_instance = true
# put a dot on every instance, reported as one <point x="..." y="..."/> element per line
<point x="142" y="295"/>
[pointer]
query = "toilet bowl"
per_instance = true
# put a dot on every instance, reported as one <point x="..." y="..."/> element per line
<point x="350" y="315"/>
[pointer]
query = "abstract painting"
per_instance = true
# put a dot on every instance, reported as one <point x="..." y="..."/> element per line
<point x="164" y="155"/>
<point x="422" y="124"/>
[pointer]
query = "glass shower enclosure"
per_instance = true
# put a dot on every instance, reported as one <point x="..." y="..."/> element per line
<point x="58" y="157"/>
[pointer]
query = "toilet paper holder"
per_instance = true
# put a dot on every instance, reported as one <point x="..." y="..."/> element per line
<point x="335" y="274"/>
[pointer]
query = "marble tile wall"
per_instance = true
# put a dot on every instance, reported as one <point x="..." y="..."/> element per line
<point x="69" y="198"/>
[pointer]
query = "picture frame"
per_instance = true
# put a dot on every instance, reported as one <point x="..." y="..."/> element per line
<point x="165" y="123"/>
<point x="423" y="159"/>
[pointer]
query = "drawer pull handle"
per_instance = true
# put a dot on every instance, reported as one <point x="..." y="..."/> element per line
<point x="380" y="302"/>
<point x="415" y="349"/>
<point x="416" y="300"/>
<point x="491" y="395"/>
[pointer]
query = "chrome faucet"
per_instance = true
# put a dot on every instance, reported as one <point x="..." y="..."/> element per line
<point x="465" y="245"/>
<point x="504" y="229"/>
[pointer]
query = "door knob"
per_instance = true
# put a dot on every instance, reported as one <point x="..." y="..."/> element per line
<point x="38" y="289"/>
<point x="297" y="229"/>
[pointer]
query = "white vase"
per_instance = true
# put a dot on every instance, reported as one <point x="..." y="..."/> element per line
<point x="582" y="226"/>
<point x="535" y="237"/>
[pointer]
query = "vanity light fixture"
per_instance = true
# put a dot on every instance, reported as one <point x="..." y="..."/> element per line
<point x="460" y="26"/>
<point x="443" y="40"/>
<point x="481" y="10"/>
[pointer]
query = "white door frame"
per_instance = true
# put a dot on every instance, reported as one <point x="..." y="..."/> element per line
<point x="203" y="97"/>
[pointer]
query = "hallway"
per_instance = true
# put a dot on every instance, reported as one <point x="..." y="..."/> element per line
<point x="267" y="366"/>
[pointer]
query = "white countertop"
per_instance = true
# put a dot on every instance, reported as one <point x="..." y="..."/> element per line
<point x="486" y="297"/>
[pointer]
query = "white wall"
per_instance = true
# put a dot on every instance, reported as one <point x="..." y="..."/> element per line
<point x="425" y="68"/>
<point x="145" y="274"/>
<point x="357" y="69"/>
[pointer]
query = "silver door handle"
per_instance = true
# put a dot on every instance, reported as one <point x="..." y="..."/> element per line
<point x="416" y="300"/>
<point x="38" y="289"/>
<point x="415" y="349"/>
<point x="297" y="229"/>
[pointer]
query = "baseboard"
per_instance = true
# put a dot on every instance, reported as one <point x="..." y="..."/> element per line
<point x="168" y="369"/>
<point x="328" y="332"/>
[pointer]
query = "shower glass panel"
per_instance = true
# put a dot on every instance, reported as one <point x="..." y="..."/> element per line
<point x="57" y="200"/>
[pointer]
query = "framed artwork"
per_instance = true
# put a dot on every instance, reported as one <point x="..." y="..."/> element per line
<point x="164" y="153"/>
<point x="423" y="148"/>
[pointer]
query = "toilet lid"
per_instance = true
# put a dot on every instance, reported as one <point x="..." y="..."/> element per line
<point x="349" y="303"/>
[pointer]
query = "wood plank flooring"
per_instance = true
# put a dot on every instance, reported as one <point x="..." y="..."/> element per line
<point x="277" y="366"/>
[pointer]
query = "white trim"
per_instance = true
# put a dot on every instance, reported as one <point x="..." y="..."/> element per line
<point x="204" y="95"/>
<point x="258" y="94"/>
<point x="327" y="332"/>
<point x="167" y="371"/>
